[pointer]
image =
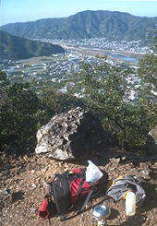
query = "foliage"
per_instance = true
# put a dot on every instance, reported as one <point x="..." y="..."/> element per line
<point x="148" y="90"/>
<point x="104" y="89"/>
<point x="17" y="118"/>
<point x="22" y="113"/>
<point x="53" y="102"/>
<point x="3" y="80"/>
<point x="12" y="47"/>
<point x="3" y="76"/>
<point x="148" y="75"/>
<point x="87" y="24"/>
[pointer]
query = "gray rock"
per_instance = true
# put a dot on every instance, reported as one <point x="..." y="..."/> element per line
<point x="153" y="134"/>
<point x="69" y="135"/>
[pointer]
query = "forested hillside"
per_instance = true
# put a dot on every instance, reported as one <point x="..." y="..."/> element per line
<point x="87" y="24"/>
<point x="12" y="47"/>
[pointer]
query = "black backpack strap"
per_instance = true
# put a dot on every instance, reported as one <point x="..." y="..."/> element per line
<point x="86" y="201"/>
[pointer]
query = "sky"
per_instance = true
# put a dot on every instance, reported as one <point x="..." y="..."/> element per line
<point x="28" y="10"/>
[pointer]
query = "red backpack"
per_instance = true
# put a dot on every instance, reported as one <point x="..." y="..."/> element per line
<point x="67" y="189"/>
<point x="78" y="185"/>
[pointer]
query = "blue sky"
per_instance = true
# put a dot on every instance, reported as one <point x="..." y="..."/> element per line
<point x="27" y="10"/>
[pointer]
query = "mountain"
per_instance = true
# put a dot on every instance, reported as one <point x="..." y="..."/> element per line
<point x="87" y="24"/>
<point x="12" y="47"/>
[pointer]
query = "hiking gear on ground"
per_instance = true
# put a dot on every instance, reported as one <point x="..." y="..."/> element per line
<point x="47" y="208"/>
<point x="60" y="192"/>
<point x="43" y="209"/>
<point x="100" y="213"/>
<point x="79" y="187"/>
<point x="68" y="188"/>
<point x="121" y="185"/>
<point x="86" y="201"/>
<point x="93" y="173"/>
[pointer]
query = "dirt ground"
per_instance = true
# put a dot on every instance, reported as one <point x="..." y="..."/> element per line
<point x="21" y="192"/>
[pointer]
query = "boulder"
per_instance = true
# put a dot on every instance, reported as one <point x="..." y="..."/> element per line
<point x="70" y="135"/>
<point x="153" y="134"/>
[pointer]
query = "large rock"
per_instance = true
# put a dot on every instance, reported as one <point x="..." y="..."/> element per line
<point x="70" y="135"/>
<point x="153" y="134"/>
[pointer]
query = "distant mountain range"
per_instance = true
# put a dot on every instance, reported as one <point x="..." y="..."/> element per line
<point x="12" y="47"/>
<point x="87" y="24"/>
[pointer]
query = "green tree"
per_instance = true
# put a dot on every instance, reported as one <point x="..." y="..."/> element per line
<point x="53" y="103"/>
<point x="148" y="74"/>
<point x="3" y="76"/>
<point x="18" y="121"/>
<point x="105" y="89"/>
<point x="148" y="89"/>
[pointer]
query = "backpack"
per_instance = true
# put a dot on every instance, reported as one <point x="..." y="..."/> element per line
<point x="47" y="208"/>
<point x="67" y="188"/>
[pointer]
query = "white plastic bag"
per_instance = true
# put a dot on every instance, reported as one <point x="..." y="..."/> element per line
<point x="93" y="173"/>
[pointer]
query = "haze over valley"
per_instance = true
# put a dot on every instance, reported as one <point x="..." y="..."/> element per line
<point x="78" y="81"/>
<point x="89" y="37"/>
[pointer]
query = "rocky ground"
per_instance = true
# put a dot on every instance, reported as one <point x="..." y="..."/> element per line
<point x="21" y="192"/>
